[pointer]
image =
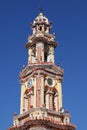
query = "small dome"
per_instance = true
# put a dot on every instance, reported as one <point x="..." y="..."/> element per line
<point x="41" y="24"/>
<point x="41" y="19"/>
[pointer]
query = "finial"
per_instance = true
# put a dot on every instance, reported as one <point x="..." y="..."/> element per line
<point x="40" y="10"/>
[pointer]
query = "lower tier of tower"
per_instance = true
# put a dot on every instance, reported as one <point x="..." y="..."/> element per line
<point x="42" y="119"/>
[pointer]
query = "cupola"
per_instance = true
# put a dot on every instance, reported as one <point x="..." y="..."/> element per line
<point x="41" y="24"/>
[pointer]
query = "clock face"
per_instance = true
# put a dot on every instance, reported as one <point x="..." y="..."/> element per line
<point x="29" y="84"/>
<point x="50" y="82"/>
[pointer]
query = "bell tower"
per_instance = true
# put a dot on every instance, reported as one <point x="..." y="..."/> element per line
<point x="41" y="106"/>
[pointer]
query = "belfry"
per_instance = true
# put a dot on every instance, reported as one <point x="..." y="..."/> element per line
<point x="41" y="106"/>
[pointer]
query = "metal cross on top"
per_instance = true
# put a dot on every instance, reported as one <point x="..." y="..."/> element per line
<point x="40" y="10"/>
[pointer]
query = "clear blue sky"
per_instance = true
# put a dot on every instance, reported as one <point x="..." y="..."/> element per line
<point x="69" y="19"/>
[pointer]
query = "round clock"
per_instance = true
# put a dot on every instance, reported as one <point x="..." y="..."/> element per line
<point x="50" y="82"/>
<point x="29" y="84"/>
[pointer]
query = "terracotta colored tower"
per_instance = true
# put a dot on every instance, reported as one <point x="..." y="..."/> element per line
<point x="41" y="105"/>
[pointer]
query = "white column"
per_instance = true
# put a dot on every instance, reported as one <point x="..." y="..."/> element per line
<point x="51" y="102"/>
<point x="26" y="103"/>
<point x="33" y="58"/>
<point x="35" y="93"/>
<point x="40" y="51"/>
<point x="32" y="99"/>
<point x="59" y="84"/>
<point x="29" y="55"/>
<point x="56" y="101"/>
<point x="47" y="100"/>
<point x="42" y="90"/>
<point x="23" y="87"/>
<point x="50" y="57"/>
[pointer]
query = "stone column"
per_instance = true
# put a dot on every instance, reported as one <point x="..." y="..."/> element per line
<point x="47" y="100"/>
<point x="33" y="57"/>
<point x="56" y="101"/>
<point x="23" y="88"/>
<point x="47" y="30"/>
<point x="51" y="102"/>
<point x="59" y="88"/>
<point x="29" y="102"/>
<point x="38" y="90"/>
<point x="40" y="52"/>
<point x="42" y="90"/>
<point x="35" y="92"/>
<point x="29" y="55"/>
<point x="50" y="57"/>
<point x="26" y="103"/>
<point x="43" y="28"/>
<point x="32" y="99"/>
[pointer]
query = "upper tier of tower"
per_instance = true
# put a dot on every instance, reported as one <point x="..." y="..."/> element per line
<point x="41" y="43"/>
<point x="41" y="23"/>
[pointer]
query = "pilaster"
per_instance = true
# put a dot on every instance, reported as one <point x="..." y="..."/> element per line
<point x="23" y="88"/>
<point x="42" y="90"/>
<point x="59" y="89"/>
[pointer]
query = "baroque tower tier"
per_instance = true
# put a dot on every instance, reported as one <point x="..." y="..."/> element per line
<point x="41" y="106"/>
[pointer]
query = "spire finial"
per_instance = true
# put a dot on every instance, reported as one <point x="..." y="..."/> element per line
<point x="40" y="10"/>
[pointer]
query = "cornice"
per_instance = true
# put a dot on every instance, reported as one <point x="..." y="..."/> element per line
<point x="46" y="38"/>
<point x="45" y="69"/>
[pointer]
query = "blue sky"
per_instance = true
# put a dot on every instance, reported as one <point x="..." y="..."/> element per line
<point x="69" y="18"/>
